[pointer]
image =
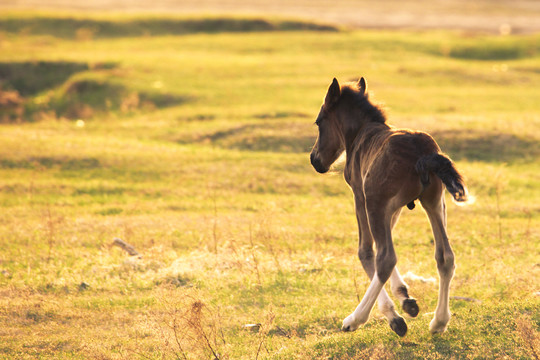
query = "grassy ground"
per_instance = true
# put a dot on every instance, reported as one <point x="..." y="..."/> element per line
<point x="189" y="139"/>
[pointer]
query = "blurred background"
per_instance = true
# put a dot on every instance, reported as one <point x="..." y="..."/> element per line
<point x="157" y="199"/>
<point x="486" y="15"/>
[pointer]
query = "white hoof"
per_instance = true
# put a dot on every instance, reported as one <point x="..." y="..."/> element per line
<point x="437" y="327"/>
<point x="350" y="323"/>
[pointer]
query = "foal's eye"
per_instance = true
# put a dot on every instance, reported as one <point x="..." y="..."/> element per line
<point x="319" y="120"/>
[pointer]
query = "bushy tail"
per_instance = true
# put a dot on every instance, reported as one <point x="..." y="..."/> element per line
<point x="445" y="170"/>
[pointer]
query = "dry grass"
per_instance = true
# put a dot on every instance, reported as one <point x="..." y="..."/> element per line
<point x="529" y="335"/>
<point x="213" y="188"/>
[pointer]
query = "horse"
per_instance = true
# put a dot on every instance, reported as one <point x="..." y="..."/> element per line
<point x="387" y="168"/>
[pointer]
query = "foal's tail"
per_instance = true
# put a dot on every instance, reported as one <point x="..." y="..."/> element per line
<point x="445" y="170"/>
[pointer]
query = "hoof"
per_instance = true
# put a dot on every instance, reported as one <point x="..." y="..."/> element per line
<point x="399" y="326"/>
<point x="436" y="327"/>
<point x="410" y="307"/>
<point x="350" y="324"/>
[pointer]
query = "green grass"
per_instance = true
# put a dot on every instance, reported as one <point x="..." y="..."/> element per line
<point x="189" y="139"/>
<point x="73" y="27"/>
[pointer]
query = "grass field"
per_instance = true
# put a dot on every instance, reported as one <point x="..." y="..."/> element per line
<point x="188" y="138"/>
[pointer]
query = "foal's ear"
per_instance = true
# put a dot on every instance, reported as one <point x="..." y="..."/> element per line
<point x="362" y="86"/>
<point x="333" y="94"/>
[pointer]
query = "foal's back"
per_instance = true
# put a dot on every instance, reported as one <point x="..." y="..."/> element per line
<point x="385" y="158"/>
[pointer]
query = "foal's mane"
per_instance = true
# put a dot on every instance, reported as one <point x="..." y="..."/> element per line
<point x="351" y="94"/>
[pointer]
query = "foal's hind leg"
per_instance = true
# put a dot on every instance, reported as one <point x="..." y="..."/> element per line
<point x="383" y="265"/>
<point x="444" y="256"/>
<point x="399" y="287"/>
<point x="367" y="258"/>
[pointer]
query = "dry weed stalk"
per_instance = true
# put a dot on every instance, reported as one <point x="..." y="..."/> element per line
<point x="255" y="259"/>
<point x="263" y="332"/>
<point x="237" y="257"/>
<point x="499" y="187"/>
<point x="193" y="330"/>
<point x="267" y="238"/>
<point x="51" y="225"/>
<point x="214" y="225"/>
<point x="212" y="190"/>
<point x="50" y="232"/>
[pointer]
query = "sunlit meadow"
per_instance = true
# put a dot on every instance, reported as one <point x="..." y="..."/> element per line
<point x="188" y="139"/>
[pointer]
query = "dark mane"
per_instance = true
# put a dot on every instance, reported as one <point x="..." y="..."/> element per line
<point x="351" y="94"/>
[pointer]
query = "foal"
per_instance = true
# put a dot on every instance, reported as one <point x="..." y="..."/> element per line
<point x="387" y="169"/>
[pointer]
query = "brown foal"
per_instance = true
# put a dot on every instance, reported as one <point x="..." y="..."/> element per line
<point x="387" y="169"/>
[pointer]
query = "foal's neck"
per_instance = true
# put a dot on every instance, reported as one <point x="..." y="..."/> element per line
<point x="364" y="125"/>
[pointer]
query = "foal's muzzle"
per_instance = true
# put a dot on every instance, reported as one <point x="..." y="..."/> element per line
<point x="317" y="165"/>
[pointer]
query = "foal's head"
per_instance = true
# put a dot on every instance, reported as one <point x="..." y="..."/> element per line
<point x="333" y="129"/>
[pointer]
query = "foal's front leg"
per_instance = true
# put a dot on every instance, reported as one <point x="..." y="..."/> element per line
<point x="386" y="307"/>
<point x="361" y="314"/>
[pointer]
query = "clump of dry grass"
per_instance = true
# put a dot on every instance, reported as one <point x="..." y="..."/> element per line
<point x="191" y="329"/>
<point x="529" y="335"/>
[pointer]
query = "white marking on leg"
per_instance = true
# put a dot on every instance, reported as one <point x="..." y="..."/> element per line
<point x="401" y="291"/>
<point x="396" y="283"/>
<point x="442" y="313"/>
<point x="361" y="314"/>
<point x="386" y="305"/>
<point x="445" y="264"/>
